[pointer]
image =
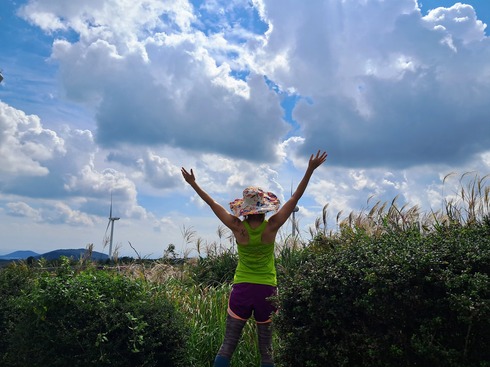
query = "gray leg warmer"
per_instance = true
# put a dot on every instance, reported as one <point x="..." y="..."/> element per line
<point x="264" y="332"/>
<point x="233" y="332"/>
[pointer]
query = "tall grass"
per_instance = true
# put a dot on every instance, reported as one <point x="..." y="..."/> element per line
<point x="205" y="311"/>
<point x="466" y="202"/>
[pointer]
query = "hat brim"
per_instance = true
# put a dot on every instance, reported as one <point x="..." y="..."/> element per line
<point x="245" y="212"/>
<point x="239" y="210"/>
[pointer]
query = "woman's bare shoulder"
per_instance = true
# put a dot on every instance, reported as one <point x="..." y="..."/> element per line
<point x="240" y="233"/>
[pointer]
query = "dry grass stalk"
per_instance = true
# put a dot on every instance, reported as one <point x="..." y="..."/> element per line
<point x="469" y="204"/>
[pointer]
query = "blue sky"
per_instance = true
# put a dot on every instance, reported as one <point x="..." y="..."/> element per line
<point x="107" y="97"/>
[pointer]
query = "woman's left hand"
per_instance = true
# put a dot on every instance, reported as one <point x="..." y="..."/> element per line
<point x="188" y="177"/>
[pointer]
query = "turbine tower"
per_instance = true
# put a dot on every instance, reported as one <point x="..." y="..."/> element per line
<point x="111" y="223"/>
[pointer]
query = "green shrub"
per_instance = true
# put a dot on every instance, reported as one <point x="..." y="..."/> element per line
<point x="401" y="299"/>
<point x="14" y="279"/>
<point x="94" y="318"/>
<point x="215" y="269"/>
<point x="288" y="260"/>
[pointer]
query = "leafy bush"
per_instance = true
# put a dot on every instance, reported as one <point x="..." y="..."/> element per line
<point x="94" y="318"/>
<point x="400" y="299"/>
<point x="215" y="269"/>
<point x="13" y="280"/>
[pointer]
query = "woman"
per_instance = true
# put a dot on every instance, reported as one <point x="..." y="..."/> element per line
<point x="255" y="276"/>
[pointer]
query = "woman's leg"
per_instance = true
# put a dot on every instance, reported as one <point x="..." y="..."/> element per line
<point x="264" y="332"/>
<point x="233" y="332"/>
<point x="263" y="310"/>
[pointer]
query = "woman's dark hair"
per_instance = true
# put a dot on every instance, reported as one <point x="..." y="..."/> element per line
<point x="262" y="215"/>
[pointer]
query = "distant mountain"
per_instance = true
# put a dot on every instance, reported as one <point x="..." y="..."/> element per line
<point x="18" y="255"/>
<point x="73" y="253"/>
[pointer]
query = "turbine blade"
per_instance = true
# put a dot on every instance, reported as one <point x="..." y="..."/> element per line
<point x="108" y="224"/>
<point x="105" y="239"/>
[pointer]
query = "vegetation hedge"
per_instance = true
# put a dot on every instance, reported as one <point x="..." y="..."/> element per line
<point x="400" y="299"/>
<point x="90" y="318"/>
<point x="14" y="279"/>
<point x="215" y="269"/>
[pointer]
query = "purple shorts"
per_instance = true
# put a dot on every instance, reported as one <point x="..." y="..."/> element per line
<point x="247" y="299"/>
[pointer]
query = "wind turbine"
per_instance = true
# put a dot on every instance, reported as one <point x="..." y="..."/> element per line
<point x="111" y="223"/>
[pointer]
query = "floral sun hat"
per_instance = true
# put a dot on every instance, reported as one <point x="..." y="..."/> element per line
<point x="255" y="201"/>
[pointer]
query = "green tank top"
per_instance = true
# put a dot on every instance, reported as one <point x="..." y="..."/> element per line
<point x="256" y="259"/>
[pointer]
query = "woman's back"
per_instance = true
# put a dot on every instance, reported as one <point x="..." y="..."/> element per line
<point x="256" y="258"/>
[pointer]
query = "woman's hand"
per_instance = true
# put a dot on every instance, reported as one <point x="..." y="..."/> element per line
<point x="316" y="161"/>
<point x="188" y="177"/>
